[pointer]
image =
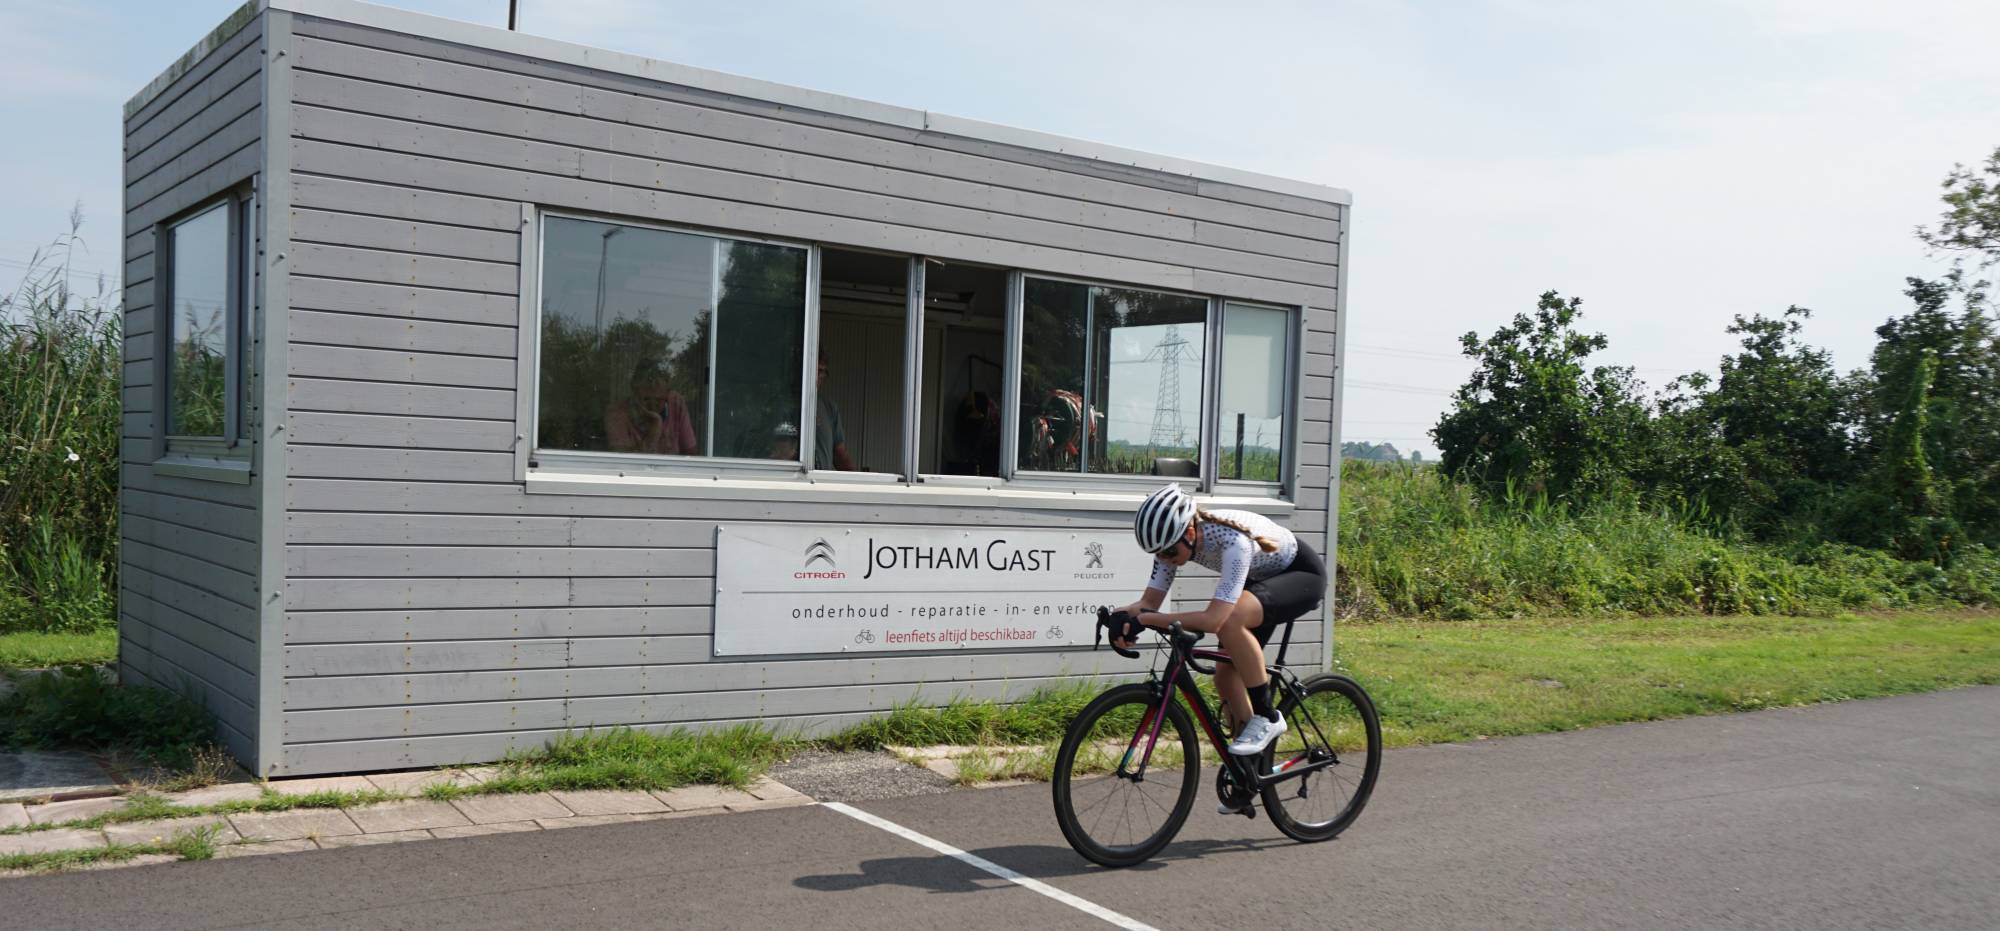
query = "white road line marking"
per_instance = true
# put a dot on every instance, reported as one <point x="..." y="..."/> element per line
<point x="1083" y="905"/>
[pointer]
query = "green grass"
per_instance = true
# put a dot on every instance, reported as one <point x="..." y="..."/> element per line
<point x="1038" y="717"/>
<point x="191" y="845"/>
<point x="1441" y="681"/>
<point x="31" y="650"/>
<point x="148" y="807"/>
<point x="624" y="758"/>
<point x="75" y="708"/>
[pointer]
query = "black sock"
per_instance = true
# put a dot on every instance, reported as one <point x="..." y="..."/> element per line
<point x="1260" y="701"/>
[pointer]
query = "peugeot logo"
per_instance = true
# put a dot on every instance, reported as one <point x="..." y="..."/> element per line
<point x="820" y="551"/>
<point x="1096" y="553"/>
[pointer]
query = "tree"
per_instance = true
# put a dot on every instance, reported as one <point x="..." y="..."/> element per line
<point x="1971" y="220"/>
<point x="1956" y="354"/>
<point x="1534" y="417"/>
<point x="1762" y="444"/>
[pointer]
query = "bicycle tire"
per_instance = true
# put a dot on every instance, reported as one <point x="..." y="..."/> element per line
<point x="1105" y="726"/>
<point x="1339" y="710"/>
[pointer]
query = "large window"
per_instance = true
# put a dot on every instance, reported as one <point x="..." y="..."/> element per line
<point x="1256" y="382"/>
<point x="1111" y="379"/>
<point x="671" y="350"/>
<point x="206" y="273"/>
<point x="665" y="343"/>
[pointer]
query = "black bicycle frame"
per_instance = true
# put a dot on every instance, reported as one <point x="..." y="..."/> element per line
<point x="1180" y="676"/>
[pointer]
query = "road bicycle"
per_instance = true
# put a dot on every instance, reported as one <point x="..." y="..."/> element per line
<point x="1126" y="776"/>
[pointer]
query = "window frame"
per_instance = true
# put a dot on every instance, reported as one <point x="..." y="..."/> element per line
<point x="223" y="457"/>
<point x="642" y="474"/>
<point x="1010" y="466"/>
<point x="1288" y="453"/>
<point x="571" y="461"/>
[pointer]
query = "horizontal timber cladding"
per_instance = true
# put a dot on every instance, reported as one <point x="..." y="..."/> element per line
<point x="189" y="556"/>
<point x="439" y="612"/>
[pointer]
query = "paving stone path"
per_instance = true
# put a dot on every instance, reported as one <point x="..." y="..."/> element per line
<point x="299" y="829"/>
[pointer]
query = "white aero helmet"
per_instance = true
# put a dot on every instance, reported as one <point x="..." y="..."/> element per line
<point x="1163" y="518"/>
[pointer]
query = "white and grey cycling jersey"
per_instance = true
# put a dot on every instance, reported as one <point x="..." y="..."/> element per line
<point x="1236" y="557"/>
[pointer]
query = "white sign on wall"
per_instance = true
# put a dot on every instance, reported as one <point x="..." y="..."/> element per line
<point x="827" y="589"/>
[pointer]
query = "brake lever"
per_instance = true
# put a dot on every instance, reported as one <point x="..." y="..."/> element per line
<point x="1104" y="621"/>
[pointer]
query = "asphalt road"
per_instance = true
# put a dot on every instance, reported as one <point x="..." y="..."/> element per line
<point x="1876" y="814"/>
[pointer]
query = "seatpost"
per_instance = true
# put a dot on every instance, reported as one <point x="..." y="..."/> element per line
<point x="1286" y="643"/>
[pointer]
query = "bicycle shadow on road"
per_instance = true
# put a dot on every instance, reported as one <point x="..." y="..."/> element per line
<point x="940" y="873"/>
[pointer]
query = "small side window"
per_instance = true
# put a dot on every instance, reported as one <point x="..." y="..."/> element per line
<point x="206" y="266"/>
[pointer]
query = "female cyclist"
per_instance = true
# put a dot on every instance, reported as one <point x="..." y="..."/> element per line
<point x="1268" y="577"/>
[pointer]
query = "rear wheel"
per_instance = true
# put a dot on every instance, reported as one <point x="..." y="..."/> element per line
<point x="1332" y="725"/>
<point x="1109" y="811"/>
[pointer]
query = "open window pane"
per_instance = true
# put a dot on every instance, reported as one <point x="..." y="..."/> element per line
<point x="863" y="325"/>
<point x="965" y="325"/>
<point x="1256" y="346"/>
<point x="199" y="302"/>
<point x="1111" y="379"/>
<point x="666" y="343"/>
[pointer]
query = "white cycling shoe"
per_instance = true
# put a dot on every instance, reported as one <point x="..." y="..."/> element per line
<point x="1256" y="734"/>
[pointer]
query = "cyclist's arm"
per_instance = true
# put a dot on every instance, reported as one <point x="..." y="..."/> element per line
<point x="1228" y="588"/>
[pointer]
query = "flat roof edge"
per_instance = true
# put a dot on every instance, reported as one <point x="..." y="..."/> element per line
<point x="556" y="50"/>
<point x="231" y="25"/>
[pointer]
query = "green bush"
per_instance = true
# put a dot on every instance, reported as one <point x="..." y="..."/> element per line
<point x="75" y="707"/>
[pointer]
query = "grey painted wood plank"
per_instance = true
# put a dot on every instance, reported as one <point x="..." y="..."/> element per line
<point x="363" y="462"/>
<point x="303" y="627"/>
<point x="236" y="59"/>
<point x="510" y="499"/>
<point x="642" y="592"/>
<point x="347" y="229"/>
<point x="424" y="368"/>
<point x="136" y="398"/>
<point x="396" y="203"/>
<point x="1314" y="454"/>
<point x="495" y="561"/>
<point x="1319" y="343"/>
<point x="431" y="336"/>
<point x="239" y="166"/>
<point x="328" y="692"/>
<point x="407" y="432"/>
<point x="519" y="82"/>
<point x="237" y="522"/>
<point x="217" y="656"/>
<point x="1317" y="387"/>
<point x="410" y="594"/>
<point x="235" y="117"/>
<point x="785" y="184"/>
<point x="357" y="659"/>
<point x="482" y="530"/>
<point x="360" y="397"/>
<point x="363" y="297"/>
<point x="1316" y="408"/>
<point x="1272" y="200"/>
<point x="235" y="589"/>
<point x="1317" y="433"/>
<point x="1314" y="476"/>
<point x="1312" y="499"/>
<point x="140" y="345"/>
<point x="192" y="541"/>
<point x="140" y="477"/>
<point x="648" y="203"/>
<point x="423" y="720"/>
<point x="402" y="268"/>
<point x="607" y="128"/>
<point x="218" y="625"/>
<point x="1321" y="320"/>
<point x="215" y="149"/>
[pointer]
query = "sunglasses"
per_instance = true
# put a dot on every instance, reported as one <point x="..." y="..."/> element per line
<point x="1168" y="553"/>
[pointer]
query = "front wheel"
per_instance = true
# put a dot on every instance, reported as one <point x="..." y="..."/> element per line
<point x="1332" y="726"/>
<point x="1112" y="810"/>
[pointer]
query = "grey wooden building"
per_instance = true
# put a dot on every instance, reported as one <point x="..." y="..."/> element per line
<point x="480" y="386"/>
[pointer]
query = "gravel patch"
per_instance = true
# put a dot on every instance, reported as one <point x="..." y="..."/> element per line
<point x="857" y="776"/>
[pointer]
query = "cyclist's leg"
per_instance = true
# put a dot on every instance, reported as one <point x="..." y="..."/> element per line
<point x="1246" y="656"/>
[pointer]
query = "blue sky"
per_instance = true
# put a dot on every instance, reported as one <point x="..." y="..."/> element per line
<point x="1673" y="164"/>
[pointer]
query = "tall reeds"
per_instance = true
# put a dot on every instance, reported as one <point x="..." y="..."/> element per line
<point x="60" y="372"/>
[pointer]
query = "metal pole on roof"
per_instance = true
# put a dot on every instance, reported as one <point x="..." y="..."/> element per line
<point x="513" y="9"/>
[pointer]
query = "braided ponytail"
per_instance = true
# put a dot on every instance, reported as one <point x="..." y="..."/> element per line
<point x="1266" y="544"/>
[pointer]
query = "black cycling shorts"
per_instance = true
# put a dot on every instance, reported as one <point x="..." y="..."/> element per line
<point x="1290" y="594"/>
